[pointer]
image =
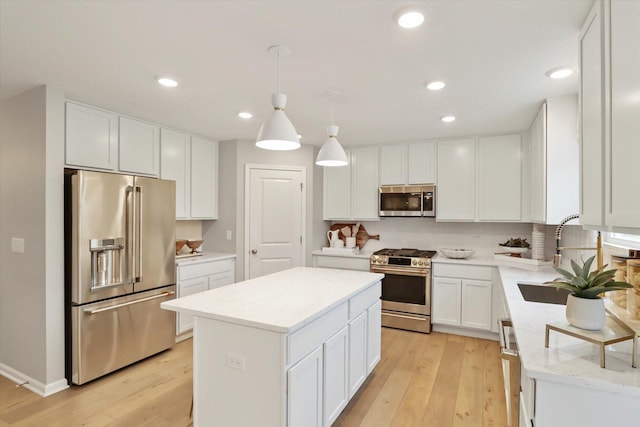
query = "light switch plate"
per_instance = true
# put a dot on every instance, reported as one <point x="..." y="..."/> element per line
<point x="17" y="245"/>
<point x="228" y="234"/>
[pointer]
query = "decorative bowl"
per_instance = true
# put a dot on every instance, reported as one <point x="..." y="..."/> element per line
<point x="180" y="244"/>
<point x="457" y="253"/>
<point x="514" y="251"/>
<point x="194" y="244"/>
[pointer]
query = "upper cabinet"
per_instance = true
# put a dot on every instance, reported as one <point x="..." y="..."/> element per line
<point x="191" y="162"/>
<point x="407" y="164"/>
<point x="91" y="138"/>
<point x="351" y="192"/>
<point x="479" y="179"/>
<point x="456" y="191"/>
<point x="552" y="154"/>
<point x="609" y="63"/>
<point x="98" y="139"/>
<point x="139" y="145"/>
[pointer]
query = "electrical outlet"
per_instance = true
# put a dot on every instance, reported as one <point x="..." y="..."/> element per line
<point x="17" y="245"/>
<point x="228" y="234"/>
<point x="235" y="361"/>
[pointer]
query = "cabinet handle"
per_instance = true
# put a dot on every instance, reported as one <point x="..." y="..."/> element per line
<point x="254" y="251"/>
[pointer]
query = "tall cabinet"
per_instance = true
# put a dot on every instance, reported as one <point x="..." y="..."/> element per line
<point x="609" y="64"/>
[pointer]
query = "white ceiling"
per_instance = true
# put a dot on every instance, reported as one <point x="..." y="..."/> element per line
<point x="492" y="55"/>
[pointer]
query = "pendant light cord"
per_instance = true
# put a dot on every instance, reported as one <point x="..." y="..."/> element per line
<point x="278" y="67"/>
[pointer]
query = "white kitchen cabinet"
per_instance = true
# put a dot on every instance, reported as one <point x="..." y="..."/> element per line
<point x="91" y="139"/>
<point x="304" y="383"/>
<point x="175" y="164"/>
<point x="198" y="276"/>
<point x="336" y="386"/>
<point x="139" y="147"/>
<point x="554" y="159"/>
<point x="609" y="62"/>
<point x="456" y="180"/>
<point x="184" y="322"/>
<point x="204" y="179"/>
<point x="407" y="164"/>
<point x="357" y="353"/>
<point x="462" y="296"/>
<point x="374" y="338"/>
<point x="351" y="192"/>
<point x="499" y="178"/>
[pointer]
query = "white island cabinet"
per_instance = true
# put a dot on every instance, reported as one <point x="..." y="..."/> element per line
<point x="285" y="349"/>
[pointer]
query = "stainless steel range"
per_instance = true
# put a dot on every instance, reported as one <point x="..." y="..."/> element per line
<point x="406" y="287"/>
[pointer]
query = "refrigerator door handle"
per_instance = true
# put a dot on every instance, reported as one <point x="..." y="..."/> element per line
<point x="114" y="307"/>
<point x="130" y="230"/>
<point x="139" y="234"/>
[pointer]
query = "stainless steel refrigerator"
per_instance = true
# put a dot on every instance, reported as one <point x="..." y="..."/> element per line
<point x="120" y="265"/>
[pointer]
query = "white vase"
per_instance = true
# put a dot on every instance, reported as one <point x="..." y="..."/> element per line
<point x="585" y="313"/>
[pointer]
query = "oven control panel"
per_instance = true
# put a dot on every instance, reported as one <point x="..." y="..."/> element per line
<point x="400" y="261"/>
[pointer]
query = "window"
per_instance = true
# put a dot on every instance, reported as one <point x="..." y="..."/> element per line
<point x="627" y="240"/>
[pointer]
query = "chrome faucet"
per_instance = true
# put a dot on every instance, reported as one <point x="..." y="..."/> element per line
<point x="557" y="258"/>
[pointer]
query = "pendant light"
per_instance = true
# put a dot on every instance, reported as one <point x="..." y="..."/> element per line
<point x="332" y="153"/>
<point x="277" y="132"/>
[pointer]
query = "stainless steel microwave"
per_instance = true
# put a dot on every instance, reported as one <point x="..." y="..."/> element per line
<point x="408" y="200"/>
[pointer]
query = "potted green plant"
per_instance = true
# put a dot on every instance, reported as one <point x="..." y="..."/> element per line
<point x="516" y="246"/>
<point x="585" y="309"/>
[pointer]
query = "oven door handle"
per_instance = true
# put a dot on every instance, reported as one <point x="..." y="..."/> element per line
<point x="420" y="272"/>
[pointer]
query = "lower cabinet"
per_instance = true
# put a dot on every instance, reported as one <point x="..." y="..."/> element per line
<point x="305" y="381"/>
<point x="357" y="353"/>
<point x="336" y="363"/>
<point x="195" y="277"/>
<point x="462" y="296"/>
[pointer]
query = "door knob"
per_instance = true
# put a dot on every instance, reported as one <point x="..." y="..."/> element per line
<point x="254" y="251"/>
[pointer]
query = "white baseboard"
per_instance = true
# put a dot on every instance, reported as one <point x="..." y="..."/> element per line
<point x="31" y="384"/>
<point x="184" y="336"/>
<point x="467" y="332"/>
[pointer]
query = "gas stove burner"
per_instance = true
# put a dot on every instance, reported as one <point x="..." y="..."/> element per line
<point x="406" y="257"/>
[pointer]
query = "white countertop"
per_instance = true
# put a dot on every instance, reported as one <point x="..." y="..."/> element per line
<point x="205" y="257"/>
<point x="361" y="254"/>
<point x="567" y="360"/>
<point x="282" y="302"/>
<point x="475" y="259"/>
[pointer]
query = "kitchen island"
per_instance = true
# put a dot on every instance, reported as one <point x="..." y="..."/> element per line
<point x="286" y="349"/>
<point x="564" y="385"/>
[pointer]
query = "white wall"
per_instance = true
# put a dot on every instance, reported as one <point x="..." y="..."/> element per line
<point x="31" y="208"/>
<point x="233" y="156"/>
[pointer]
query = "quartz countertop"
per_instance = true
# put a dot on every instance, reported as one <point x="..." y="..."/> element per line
<point x="567" y="360"/>
<point x="361" y="254"/>
<point x="282" y="302"/>
<point x="205" y="257"/>
<point x="479" y="258"/>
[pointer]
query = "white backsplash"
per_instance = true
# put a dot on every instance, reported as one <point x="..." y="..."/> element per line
<point x="188" y="229"/>
<point x="426" y="233"/>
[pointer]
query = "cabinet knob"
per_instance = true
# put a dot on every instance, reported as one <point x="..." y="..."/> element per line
<point x="254" y="251"/>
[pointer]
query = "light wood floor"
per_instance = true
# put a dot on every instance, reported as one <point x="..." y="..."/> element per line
<point x="434" y="380"/>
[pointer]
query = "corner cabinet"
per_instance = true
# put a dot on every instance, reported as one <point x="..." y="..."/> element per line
<point x="552" y="153"/>
<point x="462" y="296"/>
<point x="609" y="63"/>
<point x="192" y="163"/>
<point x="351" y="192"/>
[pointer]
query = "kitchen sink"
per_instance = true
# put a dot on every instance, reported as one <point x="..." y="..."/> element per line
<point x="538" y="292"/>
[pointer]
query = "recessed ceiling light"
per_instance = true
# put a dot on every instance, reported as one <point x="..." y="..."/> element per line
<point x="559" y="72"/>
<point x="435" y="85"/>
<point x="166" y="81"/>
<point x="408" y="17"/>
<point x="448" y="119"/>
<point x="245" y="115"/>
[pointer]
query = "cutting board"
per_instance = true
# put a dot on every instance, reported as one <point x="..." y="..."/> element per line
<point x="361" y="236"/>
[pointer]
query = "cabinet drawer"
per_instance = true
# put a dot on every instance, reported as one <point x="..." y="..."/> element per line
<point x="186" y="272"/>
<point x="364" y="300"/>
<point x="462" y="271"/>
<point x="309" y="337"/>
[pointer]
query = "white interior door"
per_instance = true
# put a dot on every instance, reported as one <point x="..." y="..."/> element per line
<point x="275" y="211"/>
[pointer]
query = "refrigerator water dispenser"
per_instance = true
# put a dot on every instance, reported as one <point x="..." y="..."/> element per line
<point x="107" y="259"/>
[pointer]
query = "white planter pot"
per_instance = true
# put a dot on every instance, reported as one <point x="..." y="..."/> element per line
<point x="586" y="313"/>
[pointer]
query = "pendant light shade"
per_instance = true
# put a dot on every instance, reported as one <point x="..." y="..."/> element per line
<point x="277" y="132"/>
<point x="332" y="153"/>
